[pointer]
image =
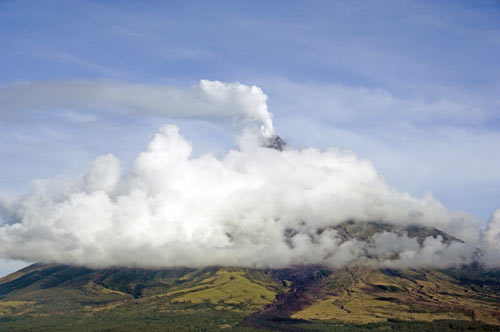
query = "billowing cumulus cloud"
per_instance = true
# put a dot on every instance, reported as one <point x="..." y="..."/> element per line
<point x="491" y="238"/>
<point x="254" y="206"/>
<point x="212" y="100"/>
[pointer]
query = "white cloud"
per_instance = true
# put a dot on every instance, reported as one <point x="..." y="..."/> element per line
<point x="103" y="174"/>
<point x="444" y="143"/>
<point x="491" y="239"/>
<point x="173" y="209"/>
<point x="492" y="233"/>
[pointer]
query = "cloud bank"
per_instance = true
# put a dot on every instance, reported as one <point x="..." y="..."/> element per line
<point x="254" y="206"/>
<point x="211" y="100"/>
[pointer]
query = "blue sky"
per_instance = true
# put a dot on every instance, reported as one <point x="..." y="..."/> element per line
<point x="410" y="85"/>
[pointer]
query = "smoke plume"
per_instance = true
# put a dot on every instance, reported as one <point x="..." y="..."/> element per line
<point x="255" y="206"/>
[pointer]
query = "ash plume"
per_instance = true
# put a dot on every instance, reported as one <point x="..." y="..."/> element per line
<point x="264" y="204"/>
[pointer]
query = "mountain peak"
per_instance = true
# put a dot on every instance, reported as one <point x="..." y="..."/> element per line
<point x="275" y="142"/>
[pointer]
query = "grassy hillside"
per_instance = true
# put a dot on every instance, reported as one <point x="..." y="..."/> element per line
<point x="62" y="298"/>
<point x="368" y="296"/>
<point x="58" y="298"/>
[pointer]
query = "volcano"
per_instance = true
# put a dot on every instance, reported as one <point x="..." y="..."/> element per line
<point x="354" y="297"/>
<point x="275" y="142"/>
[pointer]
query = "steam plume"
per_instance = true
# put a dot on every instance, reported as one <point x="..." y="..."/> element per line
<point x="211" y="100"/>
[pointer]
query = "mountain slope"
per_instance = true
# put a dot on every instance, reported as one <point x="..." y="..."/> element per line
<point x="244" y="298"/>
<point x="300" y="298"/>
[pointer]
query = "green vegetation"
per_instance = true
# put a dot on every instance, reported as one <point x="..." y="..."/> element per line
<point x="396" y="325"/>
<point x="67" y="298"/>
<point x="127" y="317"/>
<point x="229" y="289"/>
